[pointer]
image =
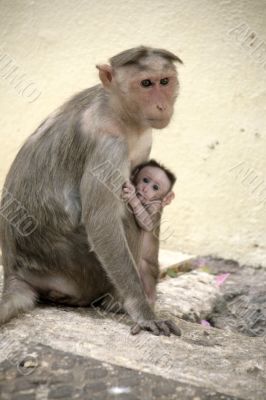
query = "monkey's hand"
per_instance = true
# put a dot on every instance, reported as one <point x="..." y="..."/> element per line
<point x="128" y="191"/>
<point x="155" y="207"/>
<point x="156" y="327"/>
<point x="129" y="196"/>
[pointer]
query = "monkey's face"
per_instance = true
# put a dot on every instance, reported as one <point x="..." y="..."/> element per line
<point x="155" y="95"/>
<point x="151" y="184"/>
<point x="150" y="93"/>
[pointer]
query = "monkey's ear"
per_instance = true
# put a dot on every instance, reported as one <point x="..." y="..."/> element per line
<point x="168" y="198"/>
<point x="105" y="74"/>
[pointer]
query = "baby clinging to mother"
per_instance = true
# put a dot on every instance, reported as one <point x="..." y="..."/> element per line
<point x="149" y="191"/>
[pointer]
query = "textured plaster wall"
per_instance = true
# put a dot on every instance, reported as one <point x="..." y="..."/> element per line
<point x="216" y="142"/>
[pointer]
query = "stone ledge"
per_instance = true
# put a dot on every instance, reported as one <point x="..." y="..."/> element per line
<point x="171" y="257"/>
<point x="191" y="296"/>
<point x="214" y="359"/>
<point x="52" y="374"/>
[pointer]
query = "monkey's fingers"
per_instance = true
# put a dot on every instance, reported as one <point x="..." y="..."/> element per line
<point x="150" y="326"/>
<point x="157" y="327"/>
<point x="135" y="329"/>
<point x="173" y="327"/>
<point x="125" y="196"/>
<point x="128" y="186"/>
<point x="164" y="329"/>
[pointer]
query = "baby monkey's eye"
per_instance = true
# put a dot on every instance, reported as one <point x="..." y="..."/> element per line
<point x="164" y="81"/>
<point x="146" y="83"/>
<point x="155" y="187"/>
<point x="145" y="180"/>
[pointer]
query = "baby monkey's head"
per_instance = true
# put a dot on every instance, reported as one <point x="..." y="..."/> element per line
<point x="153" y="182"/>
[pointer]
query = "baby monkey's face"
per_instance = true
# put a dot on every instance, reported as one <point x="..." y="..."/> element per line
<point x="151" y="184"/>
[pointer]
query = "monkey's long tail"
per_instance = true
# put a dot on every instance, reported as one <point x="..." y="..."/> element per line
<point x="18" y="297"/>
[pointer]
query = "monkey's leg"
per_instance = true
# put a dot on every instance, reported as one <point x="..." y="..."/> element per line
<point x="18" y="297"/>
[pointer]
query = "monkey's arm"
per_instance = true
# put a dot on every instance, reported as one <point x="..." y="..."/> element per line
<point x="147" y="216"/>
<point x="102" y="213"/>
<point x="100" y="184"/>
<point x="142" y="216"/>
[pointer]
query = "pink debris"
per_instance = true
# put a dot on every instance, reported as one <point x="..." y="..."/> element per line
<point x="205" y="323"/>
<point x="220" y="279"/>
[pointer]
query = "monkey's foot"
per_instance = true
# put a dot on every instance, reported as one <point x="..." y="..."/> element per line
<point x="157" y="327"/>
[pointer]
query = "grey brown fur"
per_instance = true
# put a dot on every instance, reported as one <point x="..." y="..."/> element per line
<point x="132" y="56"/>
<point x="85" y="243"/>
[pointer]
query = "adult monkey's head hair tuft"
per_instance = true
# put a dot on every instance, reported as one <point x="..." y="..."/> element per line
<point x="132" y="56"/>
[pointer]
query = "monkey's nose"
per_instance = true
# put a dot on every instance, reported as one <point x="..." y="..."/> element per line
<point x="160" y="107"/>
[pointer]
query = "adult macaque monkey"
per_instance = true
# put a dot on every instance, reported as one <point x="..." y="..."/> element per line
<point x="78" y="249"/>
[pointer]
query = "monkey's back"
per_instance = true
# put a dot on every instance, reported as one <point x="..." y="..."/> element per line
<point x="42" y="186"/>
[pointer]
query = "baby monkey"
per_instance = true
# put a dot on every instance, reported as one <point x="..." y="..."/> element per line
<point x="147" y="195"/>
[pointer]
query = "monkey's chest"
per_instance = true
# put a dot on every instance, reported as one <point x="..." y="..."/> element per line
<point x="139" y="147"/>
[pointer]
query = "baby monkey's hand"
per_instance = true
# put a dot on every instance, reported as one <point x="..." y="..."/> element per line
<point x="155" y="206"/>
<point x="128" y="191"/>
<point x="129" y="195"/>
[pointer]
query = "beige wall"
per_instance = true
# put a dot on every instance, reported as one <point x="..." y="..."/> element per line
<point x="216" y="143"/>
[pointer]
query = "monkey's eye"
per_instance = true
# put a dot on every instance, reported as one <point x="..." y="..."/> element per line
<point x="164" y="81"/>
<point x="145" y="180"/>
<point x="146" y="83"/>
<point x="155" y="187"/>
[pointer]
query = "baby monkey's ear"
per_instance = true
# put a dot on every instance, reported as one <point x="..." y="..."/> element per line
<point x="168" y="198"/>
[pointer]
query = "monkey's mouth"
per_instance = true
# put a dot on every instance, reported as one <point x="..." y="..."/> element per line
<point x="159" y="123"/>
<point x="140" y="196"/>
<point x="157" y="119"/>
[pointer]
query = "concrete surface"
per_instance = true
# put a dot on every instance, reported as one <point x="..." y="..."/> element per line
<point x="191" y="296"/>
<point x="52" y="374"/>
<point x="204" y="363"/>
